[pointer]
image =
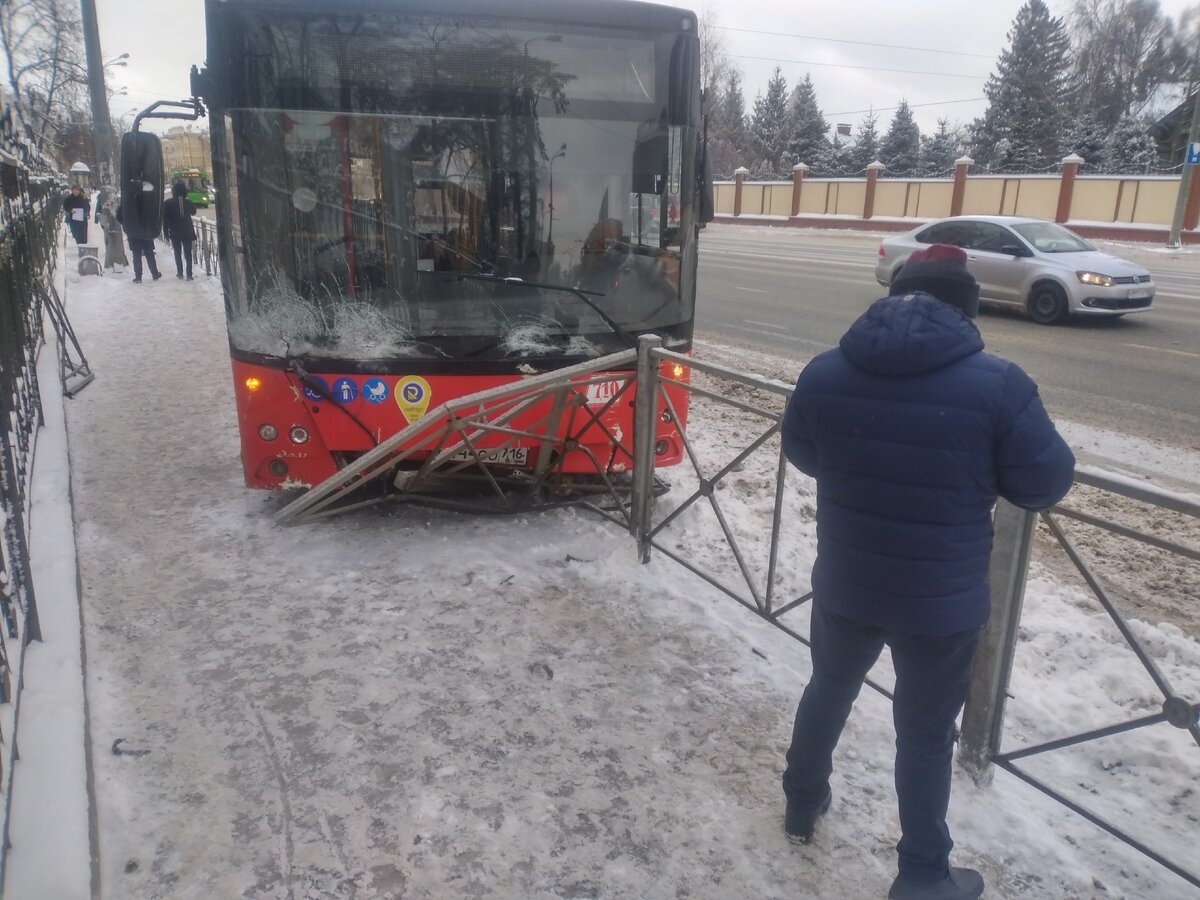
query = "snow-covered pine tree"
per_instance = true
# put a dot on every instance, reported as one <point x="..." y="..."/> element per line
<point x="900" y="149"/>
<point x="1087" y="137"/>
<point x="939" y="151"/>
<point x="1131" y="149"/>
<point x="1028" y="95"/>
<point x="769" y="129"/>
<point x="841" y="162"/>
<point x="727" y="138"/>
<point x="807" y="129"/>
<point x="866" y="146"/>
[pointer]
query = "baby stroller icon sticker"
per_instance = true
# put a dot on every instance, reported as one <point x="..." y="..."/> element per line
<point x="375" y="390"/>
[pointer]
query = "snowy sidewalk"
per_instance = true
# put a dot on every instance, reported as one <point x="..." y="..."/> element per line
<point x="399" y="704"/>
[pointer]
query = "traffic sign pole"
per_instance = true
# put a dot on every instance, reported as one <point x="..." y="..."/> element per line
<point x="1189" y="166"/>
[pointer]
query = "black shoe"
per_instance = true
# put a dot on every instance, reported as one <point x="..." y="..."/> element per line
<point x="157" y="275"/>
<point x="178" y="274"/>
<point x="189" y="278"/>
<point x="960" y="884"/>
<point x="799" y="824"/>
<point x="137" y="281"/>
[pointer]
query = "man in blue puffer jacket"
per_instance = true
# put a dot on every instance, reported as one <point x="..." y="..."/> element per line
<point x="911" y="432"/>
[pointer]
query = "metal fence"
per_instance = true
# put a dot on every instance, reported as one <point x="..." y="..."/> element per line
<point x="30" y="211"/>
<point x="753" y="575"/>
<point x="983" y="716"/>
<point x="206" y="246"/>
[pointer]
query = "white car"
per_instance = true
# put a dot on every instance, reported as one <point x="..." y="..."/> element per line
<point x="1035" y="264"/>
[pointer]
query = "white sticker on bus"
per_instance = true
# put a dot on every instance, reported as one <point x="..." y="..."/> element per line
<point x="599" y="394"/>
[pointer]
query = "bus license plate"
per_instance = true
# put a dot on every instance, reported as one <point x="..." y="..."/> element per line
<point x="496" y="456"/>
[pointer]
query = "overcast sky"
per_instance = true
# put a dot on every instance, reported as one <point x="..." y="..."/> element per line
<point x="959" y="43"/>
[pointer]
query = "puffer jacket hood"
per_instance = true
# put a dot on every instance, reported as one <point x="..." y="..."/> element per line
<point x="179" y="189"/>
<point x="910" y="334"/>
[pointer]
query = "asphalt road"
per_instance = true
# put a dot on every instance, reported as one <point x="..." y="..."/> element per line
<point x="794" y="293"/>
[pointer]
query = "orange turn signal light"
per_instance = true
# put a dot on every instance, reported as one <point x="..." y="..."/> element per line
<point x="253" y="384"/>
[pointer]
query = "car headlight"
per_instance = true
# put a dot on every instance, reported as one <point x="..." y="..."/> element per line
<point x="1095" y="278"/>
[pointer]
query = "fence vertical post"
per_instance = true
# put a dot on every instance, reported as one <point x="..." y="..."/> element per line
<point x="739" y="178"/>
<point x="962" y="166"/>
<point x="1066" y="186"/>
<point x="645" y="435"/>
<point x="873" y="171"/>
<point x="983" y="715"/>
<point x="798" y="171"/>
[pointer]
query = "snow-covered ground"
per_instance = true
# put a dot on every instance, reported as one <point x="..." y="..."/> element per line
<point x="410" y="704"/>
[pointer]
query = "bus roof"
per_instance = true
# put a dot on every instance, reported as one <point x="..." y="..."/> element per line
<point x="619" y="13"/>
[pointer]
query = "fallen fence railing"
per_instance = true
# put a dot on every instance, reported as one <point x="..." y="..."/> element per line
<point x="550" y="411"/>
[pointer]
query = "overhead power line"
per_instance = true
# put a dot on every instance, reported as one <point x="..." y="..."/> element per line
<point x="813" y="37"/>
<point x="805" y="62"/>
<point x="855" y="112"/>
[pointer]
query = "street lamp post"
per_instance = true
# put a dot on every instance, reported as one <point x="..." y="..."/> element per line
<point x="102" y="136"/>
<point x="562" y="151"/>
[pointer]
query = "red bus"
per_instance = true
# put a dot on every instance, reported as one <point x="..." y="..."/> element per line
<point x="421" y="201"/>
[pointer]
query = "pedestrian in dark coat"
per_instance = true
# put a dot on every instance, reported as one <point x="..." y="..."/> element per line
<point x="141" y="248"/>
<point x="911" y="432"/>
<point x="76" y="209"/>
<point x="178" y="227"/>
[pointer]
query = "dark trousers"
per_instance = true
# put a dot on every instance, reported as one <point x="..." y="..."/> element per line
<point x="143" y="247"/>
<point x="78" y="230"/>
<point x="932" y="674"/>
<point x="183" y="249"/>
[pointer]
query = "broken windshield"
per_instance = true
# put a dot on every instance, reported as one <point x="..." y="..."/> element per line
<point x="553" y="160"/>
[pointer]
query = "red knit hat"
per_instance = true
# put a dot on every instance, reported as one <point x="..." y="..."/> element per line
<point x="941" y="271"/>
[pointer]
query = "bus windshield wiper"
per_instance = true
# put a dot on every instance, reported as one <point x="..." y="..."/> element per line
<point x="566" y="289"/>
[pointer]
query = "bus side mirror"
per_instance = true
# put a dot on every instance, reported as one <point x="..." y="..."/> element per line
<point x="141" y="185"/>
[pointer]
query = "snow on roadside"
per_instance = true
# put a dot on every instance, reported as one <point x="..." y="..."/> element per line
<point x="405" y="703"/>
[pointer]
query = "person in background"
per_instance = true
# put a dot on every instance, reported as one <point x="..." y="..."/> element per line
<point x="141" y="247"/>
<point x="114" y="240"/>
<point x="178" y="227"/>
<point x="77" y="208"/>
<point x="102" y="197"/>
<point x="911" y="432"/>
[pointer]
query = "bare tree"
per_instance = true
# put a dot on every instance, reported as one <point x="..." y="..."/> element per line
<point x="1124" y="51"/>
<point x="715" y="63"/>
<point x="42" y="42"/>
<point x="1189" y="40"/>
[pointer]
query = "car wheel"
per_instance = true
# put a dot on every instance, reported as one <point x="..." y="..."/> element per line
<point x="1047" y="304"/>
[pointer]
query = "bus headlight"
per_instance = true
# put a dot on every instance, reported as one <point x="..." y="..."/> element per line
<point x="268" y="432"/>
<point x="298" y="435"/>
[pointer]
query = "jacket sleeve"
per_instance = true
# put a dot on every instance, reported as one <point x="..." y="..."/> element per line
<point x="799" y="440"/>
<point x="1035" y="467"/>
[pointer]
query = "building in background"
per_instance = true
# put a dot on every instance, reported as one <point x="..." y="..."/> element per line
<point x="1172" y="120"/>
<point x="185" y="148"/>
